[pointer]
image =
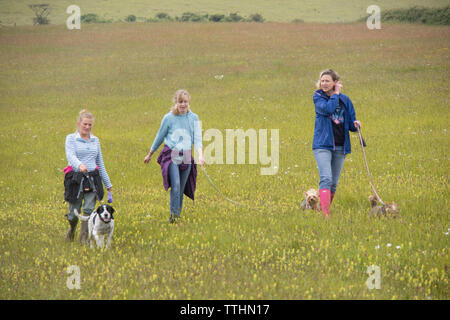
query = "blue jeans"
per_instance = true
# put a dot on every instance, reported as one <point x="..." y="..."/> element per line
<point x="330" y="164"/>
<point x="178" y="179"/>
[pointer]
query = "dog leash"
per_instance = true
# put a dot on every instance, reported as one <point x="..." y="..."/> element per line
<point x="94" y="189"/>
<point x="361" y="140"/>
<point x="223" y="196"/>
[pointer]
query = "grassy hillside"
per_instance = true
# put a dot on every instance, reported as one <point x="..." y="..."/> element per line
<point x="126" y="75"/>
<point x="17" y="11"/>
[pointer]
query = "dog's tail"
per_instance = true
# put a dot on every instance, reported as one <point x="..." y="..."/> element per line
<point x="82" y="218"/>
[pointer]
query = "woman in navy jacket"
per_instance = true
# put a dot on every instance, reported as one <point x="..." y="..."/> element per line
<point x="335" y="116"/>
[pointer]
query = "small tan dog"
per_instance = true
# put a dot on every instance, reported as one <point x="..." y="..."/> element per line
<point x="390" y="210"/>
<point x="311" y="200"/>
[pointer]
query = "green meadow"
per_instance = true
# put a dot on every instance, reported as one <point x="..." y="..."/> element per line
<point x="18" y="12"/>
<point x="239" y="75"/>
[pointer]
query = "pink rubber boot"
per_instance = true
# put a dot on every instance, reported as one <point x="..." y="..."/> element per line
<point x="325" y="197"/>
<point x="331" y="197"/>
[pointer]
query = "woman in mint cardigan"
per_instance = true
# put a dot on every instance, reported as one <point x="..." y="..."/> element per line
<point x="335" y="117"/>
<point x="180" y="129"/>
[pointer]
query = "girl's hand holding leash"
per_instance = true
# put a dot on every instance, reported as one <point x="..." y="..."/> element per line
<point x="148" y="157"/>
<point x="201" y="161"/>
<point x="357" y="124"/>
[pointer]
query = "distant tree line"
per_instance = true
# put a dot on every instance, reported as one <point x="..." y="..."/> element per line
<point x="185" y="17"/>
<point x="434" y="16"/>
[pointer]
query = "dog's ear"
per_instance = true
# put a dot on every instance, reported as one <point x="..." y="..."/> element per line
<point x="111" y="210"/>
<point x="99" y="209"/>
<point x="373" y="201"/>
<point x="306" y="194"/>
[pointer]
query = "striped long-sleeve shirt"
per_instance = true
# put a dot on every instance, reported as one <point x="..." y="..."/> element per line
<point x="89" y="153"/>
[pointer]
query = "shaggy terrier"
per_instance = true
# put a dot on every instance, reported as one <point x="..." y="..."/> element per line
<point x="389" y="210"/>
<point x="311" y="200"/>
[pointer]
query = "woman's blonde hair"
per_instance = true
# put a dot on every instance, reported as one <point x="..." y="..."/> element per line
<point x="84" y="114"/>
<point x="177" y="97"/>
<point x="333" y="74"/>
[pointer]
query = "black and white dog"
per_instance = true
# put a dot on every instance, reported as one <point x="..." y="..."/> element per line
<point x="101" y="223"/>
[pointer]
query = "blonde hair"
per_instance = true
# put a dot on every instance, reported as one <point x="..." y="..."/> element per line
<point x="84" y="114"/>
<point x="177" y="97"/>
<point x="333" y="74"/>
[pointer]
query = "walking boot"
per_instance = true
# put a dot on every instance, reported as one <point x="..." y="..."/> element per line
<point x="174" y="219"/>
<point x="70" y="236"/>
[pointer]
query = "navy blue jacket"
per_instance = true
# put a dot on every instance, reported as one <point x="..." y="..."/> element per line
<point x="323" y="129"/>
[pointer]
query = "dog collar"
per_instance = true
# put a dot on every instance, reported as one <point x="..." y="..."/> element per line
<point x="100" y="217"/>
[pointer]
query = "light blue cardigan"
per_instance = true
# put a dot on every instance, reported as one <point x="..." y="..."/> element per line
<point x="180" y="131"/>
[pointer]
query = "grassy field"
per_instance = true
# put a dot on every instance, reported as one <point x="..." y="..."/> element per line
<point x="126" y="75"/>
<point x="17" y="11"/>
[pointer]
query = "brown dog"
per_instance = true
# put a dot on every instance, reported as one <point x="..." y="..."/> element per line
<point x="389" y="210"/>
<point x="311" y="200"/>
